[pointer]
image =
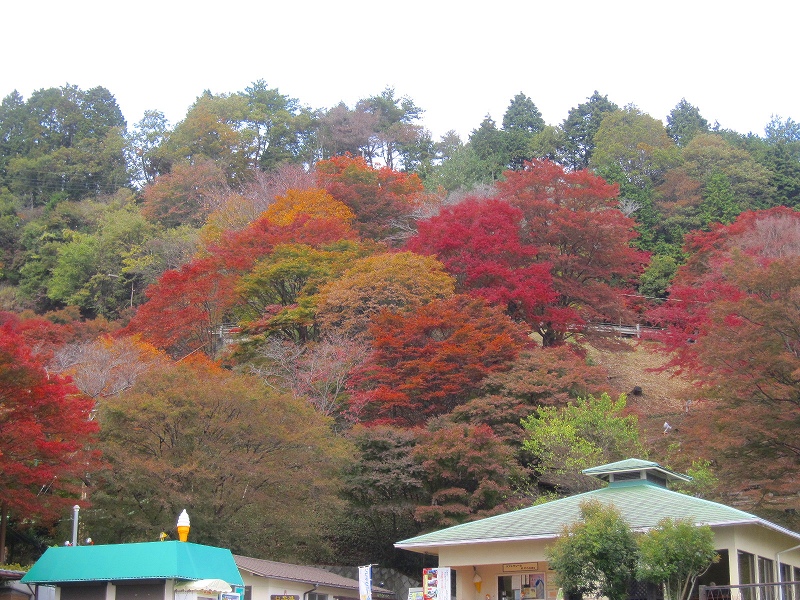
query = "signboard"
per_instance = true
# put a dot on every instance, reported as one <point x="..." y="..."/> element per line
<point x="284" y="597"/>
<point x="436" y="584"/>
<point x="528" y="567"/>
<point x="365" y="582"/>
<point x="415" y="594"/>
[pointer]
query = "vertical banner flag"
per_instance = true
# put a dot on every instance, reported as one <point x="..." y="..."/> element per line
<point x="436" y="584"/>
<point x="365" y="582"/>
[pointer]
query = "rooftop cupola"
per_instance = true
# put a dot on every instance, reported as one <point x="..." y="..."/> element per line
<point x="634" y="469"/>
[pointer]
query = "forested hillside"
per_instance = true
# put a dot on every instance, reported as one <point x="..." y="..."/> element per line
<point x="321" y="331"/>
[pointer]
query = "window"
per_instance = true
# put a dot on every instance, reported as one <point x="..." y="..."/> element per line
<point x="766" y="574"/>
<point x="315" y="596"/>
<point x="766" y="570"/>
<point x="505" y="588"/>
<point x="746" y="568"/>
<point x="786" y="592"/>
<point x="797" y="578"/>
<point x="747" y="573"/>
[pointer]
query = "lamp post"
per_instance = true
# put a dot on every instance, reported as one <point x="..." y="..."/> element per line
<point x="75" y="510"/>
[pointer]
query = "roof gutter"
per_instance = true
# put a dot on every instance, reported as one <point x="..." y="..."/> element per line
<point x="546" y="536"/>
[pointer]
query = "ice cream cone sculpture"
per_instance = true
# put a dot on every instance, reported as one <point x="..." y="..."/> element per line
<point x="183" y="526"/>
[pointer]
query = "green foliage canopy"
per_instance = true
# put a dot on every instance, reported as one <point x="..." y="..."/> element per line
<point x="596" y="555"/>
<point x="675" y="554"/>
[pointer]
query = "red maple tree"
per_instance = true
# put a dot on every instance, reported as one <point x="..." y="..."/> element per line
<point x="45" y="448"/>
<point x="425" y="362"/>
<point x="552" y="247"/>
<point x="731" y="321"/>
<point x="380" y="198"/>
<point x="186" y="307"/>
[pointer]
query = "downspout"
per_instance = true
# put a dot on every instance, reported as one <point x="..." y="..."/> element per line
<point x="778" y="562"/>
<point x="313" y="589"/>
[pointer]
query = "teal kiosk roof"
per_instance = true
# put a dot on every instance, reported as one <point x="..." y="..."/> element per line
<point x="126" y="562"/>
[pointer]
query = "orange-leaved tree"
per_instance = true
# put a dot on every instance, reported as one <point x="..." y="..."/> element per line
<point x="426" y="361"/>
<point x="385" y="281"/>
<point x="313" y="202"/>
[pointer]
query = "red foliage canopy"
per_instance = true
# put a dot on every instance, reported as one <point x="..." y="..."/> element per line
<point x="186" y="306"/>
<point x="240" y="250"/>
<point x="558" y="254"/>
<point x="707" y="276"/>
<point x="378" y="197"/>
<point x="426" y="362"/>
<point x="47" y="431"/>
<point x="481" y="242"/>
<point x="732" y="321"/>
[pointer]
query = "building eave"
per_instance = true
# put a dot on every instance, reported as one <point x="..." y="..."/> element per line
<point x="551" y="536"/>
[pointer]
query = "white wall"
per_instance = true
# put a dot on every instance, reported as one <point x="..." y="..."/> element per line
<point x="265" y="587"/>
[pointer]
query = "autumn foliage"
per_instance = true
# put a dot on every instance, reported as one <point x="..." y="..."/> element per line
<point x="314" y="203"/>
<point x="47" y="432"/>
<point x="380" y="198"/>
<point x="186" y="308"/>
<point x="732" y="321"/>
<point x="551" y="248"/>
<point x="428" y="361"/>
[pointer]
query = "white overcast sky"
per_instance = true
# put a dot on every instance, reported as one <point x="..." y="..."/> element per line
<point x="457" y="60"/>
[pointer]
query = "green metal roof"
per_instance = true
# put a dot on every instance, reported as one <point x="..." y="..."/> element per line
<point x="147" y="560"/>
<point x="642" y="504"/>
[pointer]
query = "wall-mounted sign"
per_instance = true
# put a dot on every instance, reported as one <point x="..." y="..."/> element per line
<point x="436" y="584"/>
<point x="528" y="567"/>
<point x="533" y="586"/>
<point x="284" y="597"/>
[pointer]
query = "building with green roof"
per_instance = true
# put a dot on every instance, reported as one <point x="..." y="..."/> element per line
<point x="503" y="557"/>
<point x="147" y="570"/>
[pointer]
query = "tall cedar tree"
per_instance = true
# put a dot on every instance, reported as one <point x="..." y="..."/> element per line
<point x="426" y="362"/>
<point x="45" y="448"/>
